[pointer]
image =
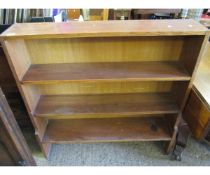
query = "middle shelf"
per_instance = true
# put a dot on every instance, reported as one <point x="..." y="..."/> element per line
<point x="106" y="71"/>
<point x="94" y="106"/>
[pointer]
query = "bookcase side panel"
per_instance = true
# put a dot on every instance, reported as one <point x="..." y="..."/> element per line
<point x="192" y="48"/>
<point x="19" y="63"/>
<point x="192" y="53"/>
<point x="19" y="56"/>
<point x="32" y="95"/>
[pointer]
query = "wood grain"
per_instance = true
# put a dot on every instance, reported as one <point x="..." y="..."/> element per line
<point x="179" y="90"/>
<point x="105" y="28"/>
<point x="17" y="67"/>
<point x="197" y="109"/>
<point x="105" y="104"/>
<point x="192" y="48"/>
<point x="149" y="54"/>
<point x="32" y="95"/>
<point x="110" y="49"/>
<point x="105" y="72"/>
<point x="20" y="57"/>
<point x="197" y="115"/>
<point x="104" y="130"/>
<point x="99" y="87"/>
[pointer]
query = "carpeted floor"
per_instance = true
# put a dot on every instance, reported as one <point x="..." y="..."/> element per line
<point x="119" y="154"/>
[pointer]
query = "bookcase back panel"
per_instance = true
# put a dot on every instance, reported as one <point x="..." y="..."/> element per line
<point x="110" y="49"/>
<point x="100" y="87"/>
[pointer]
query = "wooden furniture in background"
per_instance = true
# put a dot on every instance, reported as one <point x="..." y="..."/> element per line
<point x="122" y="14"/>
<point x="95" y="14"/>
<point x="13" y="147"/>
<point x="107" y="80"/>
<point x="197" y="110"/>
<point x="146" y="13"/>
<point x="73" y="14"/>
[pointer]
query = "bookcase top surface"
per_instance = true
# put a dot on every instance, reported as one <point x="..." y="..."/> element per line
<point x="105" y="29"/>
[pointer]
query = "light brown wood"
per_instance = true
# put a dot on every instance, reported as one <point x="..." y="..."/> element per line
<point x="33" y="92"/>
<point x="202" y="78"/>
<point x="142" y="71"/>
<point x="45" y="147"/>
<point x="97" y="14"/>
<point x="105" y="28"/>
<point x="21" y="59"/>
<point x="202" y="83"/>
<point x="99" y="87"/>
<point x="73" y="14"/>
<point x="191" y="51"/>
<point x="111" y="49"/>
<point x="197" y="114"/>
<point x="171" y="144"/>
<point x="32" y="95"/>
<point x="197" y="109"/>
<point x="192" y="68"/>
<point x="105" y="130"/>
<point x="105" y="14"/>
<point x="109" y="104"/>
<point x="38" y="126"/>
<point x="123" y="51"/>
<point x="179" y="90"/>
<point x="196" y="45"/>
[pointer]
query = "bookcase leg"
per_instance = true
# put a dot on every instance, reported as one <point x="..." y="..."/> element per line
<point x="45" y="147"/>
<point x="179" y="140"/>
<point x="170" y="145"/>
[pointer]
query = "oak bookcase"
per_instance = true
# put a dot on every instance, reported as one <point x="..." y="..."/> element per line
<point x="105" y="81"/>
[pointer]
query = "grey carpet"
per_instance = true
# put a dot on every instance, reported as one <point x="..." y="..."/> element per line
<point x="123" y="154"/>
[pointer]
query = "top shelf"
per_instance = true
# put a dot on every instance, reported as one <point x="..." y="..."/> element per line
<point x="105" y="29"/>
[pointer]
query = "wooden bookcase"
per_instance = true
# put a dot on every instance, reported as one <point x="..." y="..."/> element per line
<point x="105" y="80"/>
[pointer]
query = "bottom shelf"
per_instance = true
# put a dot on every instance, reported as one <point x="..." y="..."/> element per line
<point x="106" y="130"/>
